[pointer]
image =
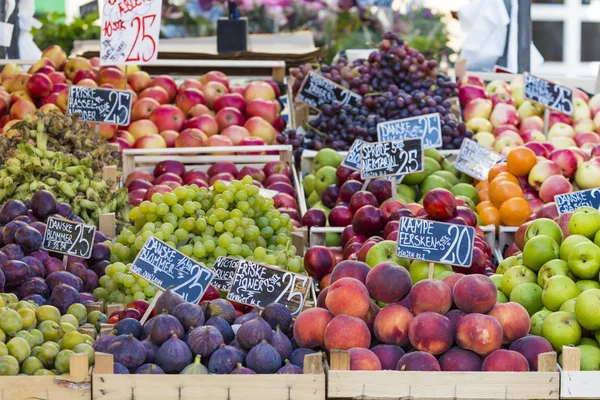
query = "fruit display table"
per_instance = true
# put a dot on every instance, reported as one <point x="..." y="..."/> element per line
<point x="574" y="383"/>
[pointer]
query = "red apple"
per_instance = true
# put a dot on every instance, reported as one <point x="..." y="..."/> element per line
<point x="229" y="116"/>
<point x="167" y="83"/>
<point x="188" y="98"/>
<point x="191" y="137"/>
<point x="253" y="141"/>
<point x="168" y="117"/>
<point x="206" y="123"/>
<point x="199" y="110"/>
<point x="139" y="80"/>
<point x="212" y="91"/>
<point x="170" y="137"/>
<point x="150" y="142"/>
<point x="259" y="127"/>
<point x="262" y="108"/>
<point x="142" y="127"/>
<point x="236" y="134"/>
<point x="215" y="76"/>
<point x="234" y="100"/>
<point x="157" y="93"/>
<point x="259" y="90"/>
<point x="142" y="109"/>
<point x="219" y="141"/>
<point x="388" y="208"/>
<point x="113" y="76"/>
<point x="83" y="74"/>
<point x="39" y="85"/>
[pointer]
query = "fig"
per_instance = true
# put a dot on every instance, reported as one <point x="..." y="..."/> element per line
<point x="30" y="239"/>
<point x="164" y="327"/>
<point x="120" y="369"/>
<point x="148" y="327"/>
<point x="9" y="231"/>
<point x="11" y="210"/>
<point x="43" y="204"/>
<point x="297" y="356"/>
<point x="220" y="308"/>
<point x="245" y="317"/>
<point x="63" y="296"/>
<point x="243" y="352"/>
<point x="253" y="332"/>
<point x="195" y="368"/>
<point x="103" y="342"/>
<point x="34" y="285"/>
<point x="15" y="272"/>
<point x="278" y="315"/>
<point x="36" y="267"/>
<point x="149" y="369"/>
<point x="263" y="359"/>
<point x="190" y="315"/>
<point x="241" y="370"/>
<point x="128" y="351"/>
<point x="223" y="360"/>
<point x="129" y="326"/>
<point x="204" y="340"/>
<point x="168" y="301"/>
<point x="64" y="277"/>
<point x="174" y="355"/>
<point x="281" y="343"/>
<point x="13" y="251"/>
<point x="289" y="368"/>
<point x="151" y="350"/>
<point x="223" y="327"/>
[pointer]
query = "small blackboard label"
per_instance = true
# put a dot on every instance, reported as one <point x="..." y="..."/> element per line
<point x="434" y="241"/>
<point x="68" y="237"/>
<point x="397" y="157"/>
<point x="166" y="267"/>
<point x="551" y="95"/>
<point x="108" y="106"/>
<point x="224" y="270"/>
<point x="427" y="127"/>
<point x="260" y="285"/>
<point x="572" y="201"/>
<point x="475" y="160"/>
<point x="352" y="159"/>
<point x="317" y="91"/>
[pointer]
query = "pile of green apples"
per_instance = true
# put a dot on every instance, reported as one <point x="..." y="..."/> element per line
<point x="556" y="278"/>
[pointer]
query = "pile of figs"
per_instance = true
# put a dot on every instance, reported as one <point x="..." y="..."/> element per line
<point x="186" y="338"/>
<point x="32" y="273"/>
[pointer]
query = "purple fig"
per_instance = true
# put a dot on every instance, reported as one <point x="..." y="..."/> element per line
<point x="291" y="369"/>
<point x="174" y="355"/>
<point x="190" y="315"/>
<point x="278" y="315"/>
<point x="263" y="358"/>
<point x="223" y="360"/>
<point x="281" y="343"/>
<point x="241" y="370"/>
<point x="219" y="307"/>
<point x="149" y="369"/>
<point x="204" y="340"/>
<point x="253" y="332"/>
<point x="128" y="351"/>
<point x="164" y="327"/>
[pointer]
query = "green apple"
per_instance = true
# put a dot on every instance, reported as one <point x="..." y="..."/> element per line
<point x="554" y="268"/>
<point x="442" y="275"/>
<point x="587" y="284"/>
<point x="464" y="189"/>
<point x="569" y="243"/>
<point x="320" y="206"/>
<point x="328" y="157"/>
<point x="597" y="238"/>
<point x="433" y="153"/>
<point x="449" y="166"/>
<point x="588" y="342"/>
<point x="429" y="165"/>
<point x="308" y="184"/>
<point x="584" y="260"/>
<point x="516" y="276"/>
<point x="333" y="239"/>
<point x="497" y="279"/>
<point x="447" y="176"/>
<point x="557" y="290"/>
<point x="313" y="199"/>
<point x="544" y="226"/>
<point x="561" y="329"/>
<point x="537" y="320"/>
<point x="433" y="182"/>
<point x="509" y="262"/>
<point x="419" y="270"/>
<point x="406" y="192"/>
<point x="589" y="359"/>
<point x="568" y="306"/>
<point x="464" y="178"/>
<point x="587" y="309"/>
<point x="385" y="251"/>
<point x="469" y="202"/>
<point x="529" y="295"/>
<point x="585" y="221"/>
<point x="539" y="250"/>
<point x="501" y="297"/>
<point x="325" y="177"/>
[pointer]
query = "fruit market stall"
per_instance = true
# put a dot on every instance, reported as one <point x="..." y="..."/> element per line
<point x="575" y="383"/>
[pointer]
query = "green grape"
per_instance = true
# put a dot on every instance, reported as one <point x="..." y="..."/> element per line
<point x="222" y="203"/>
<point x="110" y="285"/>
<point x="241" y="196"/>
<point x="170" y="218"/>
<point x="177" y="209"/>
<point x="180" y="192"/>
<point x="150" y="291"/>
<point x="236" y="214"/>
<point x="234" y="249"/>
<point x="275" y="223"/>
<point x="143" y="283"/>
<point x="282" y="239"/>
<point x="113" y="297"/>
<point x="152" y="207"/>
<point x="220" y="252"/>
<point x="144" y="206"/>
<point x="260" y="253"/>
<point x="158" y="198"/>
<point x="199" y="250"/>
<point x="262" y="222"/>
<point x="134" y="213"/>
<point x="100" y="293"/>
<point x="126" y="299"/>
<point x="188" y="224"/>
<point x="220" y="186"/>
<point x="201" y="224"/>
<point x="119" y="267"/>
<point x="189" y="207"/>
<point x="281" y="259"/>
<point x="139" y="296"/>
<point x="229" y="225"/>
<point x="136" y="288"/>
<point x="246" y="250"/>
<point x="188" y="250"/>
<point x="170" y="198"/>
<point x="238" y="232"/>
<point x="163" y="209"/>
<point x="225" y="240"/>
<point x="221" y="214"/>
<point x="146" y="235"/>
<point x="228" y="196"/>
<point x="267" y="232"/>
<point x="219" y="227"/>
<point x="103" y="279"/>
<point x="210" y="246"/>
<point x="271" y="259"/>
<point x="293" y="265"/>
<point x="181" y="234"/>
<point x="212" y="219"/>
<point x="159" y="236"/>
<point x="243" y="206"/>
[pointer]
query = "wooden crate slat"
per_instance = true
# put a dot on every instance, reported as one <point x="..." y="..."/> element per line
<point x="45" y="387"/>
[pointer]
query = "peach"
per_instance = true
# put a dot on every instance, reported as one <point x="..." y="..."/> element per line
<point x="457" y="359"/>
<point x="369" y="318"/>
<point x="451" y="280"/>
<point x="430" y="332"/>
<point x="475" y="293"/>
<point x="479" y="333"/>
<point x="321" y="298"/>
<point x="391" y="325"/>
<point x="388" y="355"/>
<point x="348" y="296"/>
<point x="22" y="108"/>
<point x="350" y="269"/>
<point x="430" y="295"/>
<point x="345" y="332"/>
<point x="363" y="360"/>
<point x="388" y="282"/>
<point x="455" y="316"/>
<point x="418" y="361"/>
<point x="514" y="320"/>
<point x="309" y="328"/>
<point x="531" y="347"/>
<point x="505" y="361"/>
<point x="326" y="280"/>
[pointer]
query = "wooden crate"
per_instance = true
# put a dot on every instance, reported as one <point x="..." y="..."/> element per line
<point x="506" y="237"/>
<point x="379" y="385"/>
<point x="576" y="384"/>
<point x="75" y="386"/>
<point x="310" y="386"/>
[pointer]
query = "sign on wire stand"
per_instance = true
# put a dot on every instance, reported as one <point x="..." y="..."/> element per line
<point x="107" y="106"/>
<point x="317" y="91"/>
<point x="375" y="3"/>
<point x="475" y="160"/>
<point x="551" y="95"/>
<point x="260" y="285"/>
<point x="166" y="268"/>
<point x="436" y="242"/>
<point x="397" y="157"/>
<point x="224" y="270"/>
<point x="68" y="237"/>
<point x="352" y="159"/>
<point x="572" y="201"/>
<point x="129" y="31"/>
<point x="427" y="127"/>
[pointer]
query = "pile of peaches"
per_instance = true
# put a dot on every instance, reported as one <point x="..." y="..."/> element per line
<point x="195" y="113"/>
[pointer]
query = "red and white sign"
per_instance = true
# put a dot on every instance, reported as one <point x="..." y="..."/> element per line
<point x="130" y="31"/>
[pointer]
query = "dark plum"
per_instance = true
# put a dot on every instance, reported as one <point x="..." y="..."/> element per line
<point x="223" y="360"/>
<point x="32" y="217"/>
<point x="40" y="227"/>
<point x="281" y="343"/>
<point x="85" y="298"/>
<point x="164" y="327"/>
<point x="204" y="340"/>
<point x="100" y="268"/>
<point x="103" y="342"/>
<point x="66" y="278"/>
<point x="4" y="257"/>
<point x="128" y="351"/>
<point x="290" y="369"/>
<point x="120" y="369"/>
<point x="78" y="219"/>
<point x="91" y="281"/>
<point x="151" y="350"/>
<point x="78" y="269"/>
<point x="43" y="204"/>
<point x="100" y="252"/>
<point x="174" y="355"/>
<point x="219" y="307"/>
<point x="253" y="332"/>
<point x="241" y="370"/>
<point x="2" y="281"/>
<point x="297" y="356"/>
<point x="63" y="296"/>
<point x="278" y="315"/>
<point x="129" y="326"/>
<point x="53" y="265"/>
<point x="15" y="272"/>
<point x="222" y="326"/>
<point x="11" y="210"/>
<point x="190" y="315"/>
<point x="64" y="210"/>
<point x="149" y="369"/>
<point x="13" y="251"/>
<point x="23" y="218"/>
<point x="35" y="285"/>
<point x="36" y="266"/>
<point x="40" y="254"/>
<point x="100" y="237"/>
<point x="263" y="359"/>
<point x="167" y="302"/>
<point x="28" y="238"/>
<point x="36" y="298"/>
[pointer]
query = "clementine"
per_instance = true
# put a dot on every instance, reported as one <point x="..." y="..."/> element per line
<point x="514" y="212"/>
<point x="520" y="161"/>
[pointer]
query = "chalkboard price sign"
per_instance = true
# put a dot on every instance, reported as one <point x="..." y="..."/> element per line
<point x="108" y="106"/>
<point x="572" y="201"/>
<point x="317" y="91"/>
<point x="475" y="160"/>
<point x="166" y="267"/>
<point x="224" y="270"/>
<point x="427" y="127"/>
<point x="551" y="95"/>
<point x="352" y="159"/>
<point x="68" y="237"/>
<point x="434" y="241"/>
<point x="397" y="157"/>
<point x="260" y="285"/>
